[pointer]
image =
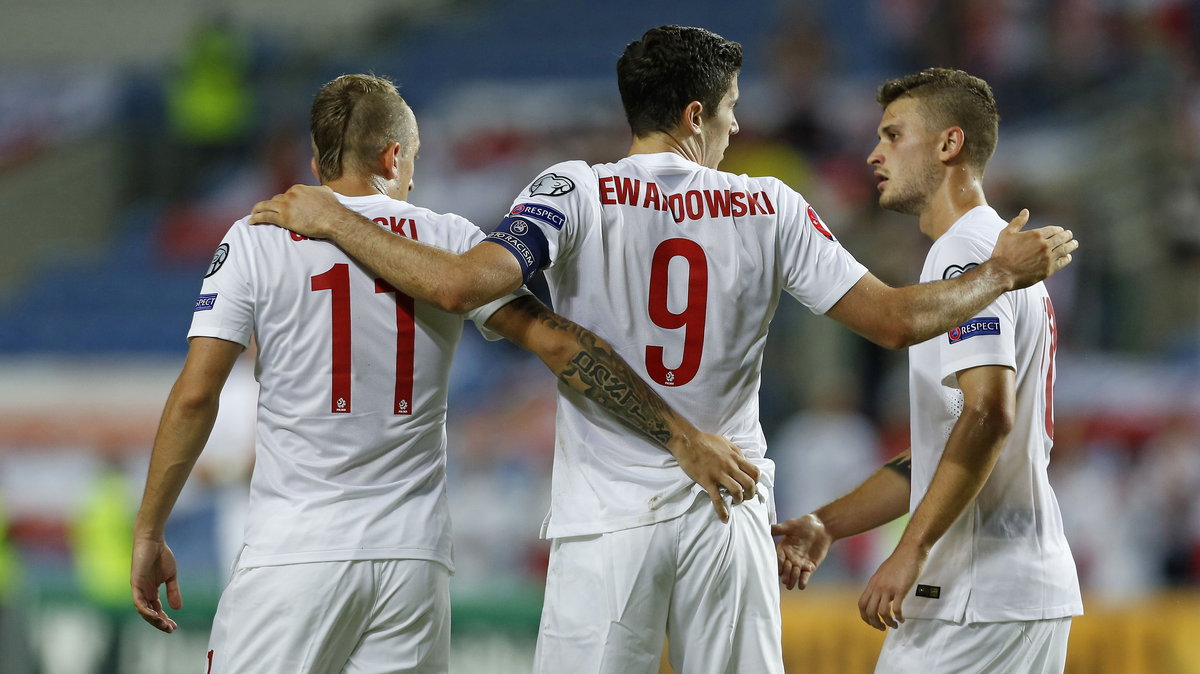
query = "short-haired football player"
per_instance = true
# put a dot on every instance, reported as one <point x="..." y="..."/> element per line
<point x="680" y="266"/>
<point x="982" y="579"/>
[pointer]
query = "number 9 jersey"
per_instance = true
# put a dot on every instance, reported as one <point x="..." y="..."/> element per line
<point x="351" y="440"/>
<point x="680" y="268"/>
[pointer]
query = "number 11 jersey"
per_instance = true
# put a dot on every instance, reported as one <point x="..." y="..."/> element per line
<point x="350" y="457"/>
<point x="680" y="267"/>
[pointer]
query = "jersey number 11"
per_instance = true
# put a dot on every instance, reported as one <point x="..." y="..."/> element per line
<point x="337" y="281"/>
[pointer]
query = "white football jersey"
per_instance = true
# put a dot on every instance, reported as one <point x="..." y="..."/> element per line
<point x="680" y="268"/>
<point x="1006" y="558"/>
<point x="351" y="439"/>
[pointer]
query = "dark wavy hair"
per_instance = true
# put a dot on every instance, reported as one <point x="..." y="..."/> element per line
<point x="670" y="67"/>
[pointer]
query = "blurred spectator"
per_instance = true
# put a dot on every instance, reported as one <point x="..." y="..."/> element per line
<point x="14" y="640"/>
<point x="210" y="103"/>
<point x="1170" y="461"/>
<point x="102" y="544"/>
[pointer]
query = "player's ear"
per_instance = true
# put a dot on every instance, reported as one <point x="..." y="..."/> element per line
<point x="312" y="165"/>
<point x="953" y="142"/>
<point x="691" y="118"/>
<point x="389" y="160"/>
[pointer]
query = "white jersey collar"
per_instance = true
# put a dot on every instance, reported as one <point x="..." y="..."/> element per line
<point x="363" y="200"/>
<point x="984" y="212"/>
<point x="664" y="160"/>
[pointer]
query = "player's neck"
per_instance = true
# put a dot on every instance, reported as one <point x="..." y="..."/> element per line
<point x="356" y="186"/>
<point x="958" y="194"/>
<point x="661" y="141"/>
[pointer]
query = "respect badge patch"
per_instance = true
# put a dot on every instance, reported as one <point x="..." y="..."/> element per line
<point x="539" y="212"/>
<point x="973" y="328"/>
<point x="205" y="302"/>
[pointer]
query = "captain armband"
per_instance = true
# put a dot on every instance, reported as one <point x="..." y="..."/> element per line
<point x="902" y="465"/>
<point x="525" y="241"/>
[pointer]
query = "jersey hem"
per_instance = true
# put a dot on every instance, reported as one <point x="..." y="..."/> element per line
<point x="969" y="616"/>
<point x="248" y="560"/>
<point x="951" y="369"/>
<point x="668" y="511"/>
<point x="221" y="333"/>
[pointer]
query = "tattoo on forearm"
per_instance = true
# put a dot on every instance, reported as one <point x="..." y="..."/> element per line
<point x="605" y="378"/>
<point x="902" y="465"/>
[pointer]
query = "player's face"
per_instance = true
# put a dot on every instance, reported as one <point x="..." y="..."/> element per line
<point x="720" y="126"/>
<point x="905" y="158"/>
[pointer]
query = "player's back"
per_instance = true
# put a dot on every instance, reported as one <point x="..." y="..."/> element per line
<point x="680" y="267"/>
<point x="350" y="459"/>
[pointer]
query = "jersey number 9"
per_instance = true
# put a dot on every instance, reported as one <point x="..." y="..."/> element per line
<point x="691" y="318"/>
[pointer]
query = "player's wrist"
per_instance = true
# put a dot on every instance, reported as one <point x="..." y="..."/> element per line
<point x="816" y="521"/>
<point x="148" y="536"/>
<point x="997" y="275"/>
<point x="335" y="229"/>
<point x="681" y="444"/>
<point x="914" y="545"/>
<point x="145" y="530"/>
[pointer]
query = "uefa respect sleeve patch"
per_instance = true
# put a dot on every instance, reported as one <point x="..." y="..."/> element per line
<point x="539" y="212"/>
<point x="205" y="302"/>
<point x="984" y="325"/>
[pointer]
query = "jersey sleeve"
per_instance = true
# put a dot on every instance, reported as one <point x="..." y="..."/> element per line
<point x="225" y="307"/>
<point x="468" y="237"/>
<point x="986" y="338"/>
<point x="546" y="218"/>
<point x="816" y="269"/>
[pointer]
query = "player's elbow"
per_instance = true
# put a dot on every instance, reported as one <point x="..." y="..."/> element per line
<point x="894" y="332"/>
<point x="457" y="300"/>
<point x="894" y="327"/>
<point x="993" y="417"/>
<point x="453" y="294"/>
<point x="452" y="302"/>
<point x="192" y="400"/>
<point x="464" y="289"/>
<point x="897" y="339"/>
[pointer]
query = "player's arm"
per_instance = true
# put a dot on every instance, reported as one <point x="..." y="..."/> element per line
<point x="896" y="318"/>
<point x="451" y="281"/>
<point x="187" y="419"/>
<point x="585" y="362"/>
<point x="989" y="399"/>
<point x="804" y="541"/>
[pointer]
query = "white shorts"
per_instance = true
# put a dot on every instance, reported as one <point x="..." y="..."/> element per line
<point x="941" y="647"/>
<point x="712" y="589"/>
<point x="360" y="617"/>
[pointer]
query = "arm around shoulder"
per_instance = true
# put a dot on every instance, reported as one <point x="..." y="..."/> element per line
<point x="896" y="318"/>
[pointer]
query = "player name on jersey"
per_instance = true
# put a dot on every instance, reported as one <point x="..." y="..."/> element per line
<point x="391" y="222"/>
<point x="690" y="205"/>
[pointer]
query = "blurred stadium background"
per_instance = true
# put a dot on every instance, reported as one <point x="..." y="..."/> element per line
<point x="132" y="133"/>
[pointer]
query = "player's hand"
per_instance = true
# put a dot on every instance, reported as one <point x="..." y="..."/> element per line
<point x="311" y="210"/>
<point x="882" y="603"/>
<point x="1029" y="257"/>
<point x="715" y="464"/>
<point x="153" y="565"/>
<point x="802" y="546"/>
